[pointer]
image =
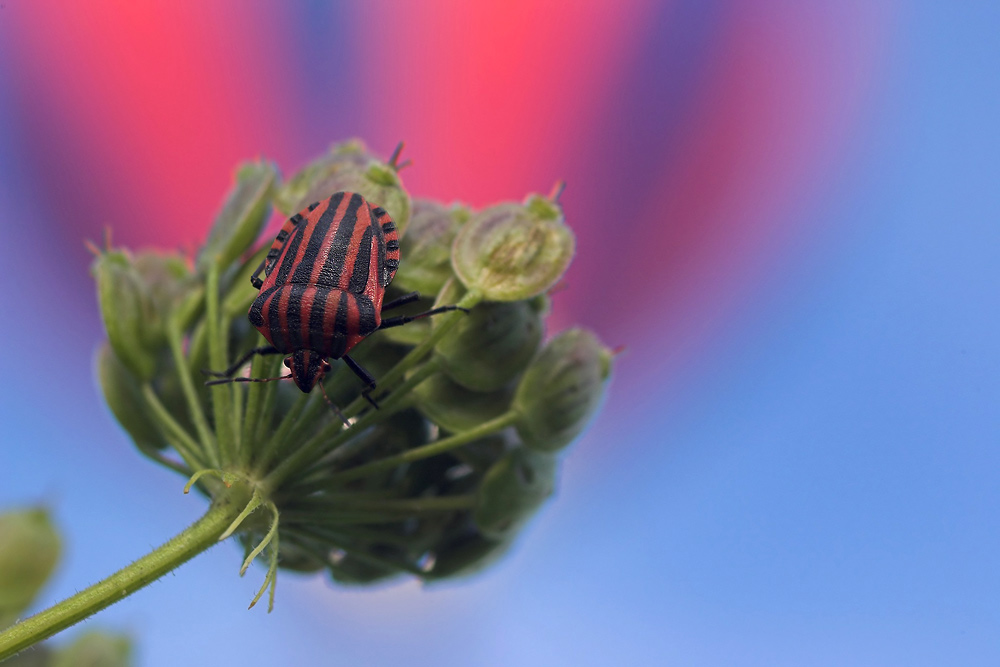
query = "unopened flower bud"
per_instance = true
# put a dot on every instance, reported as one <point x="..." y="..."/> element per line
<point x="350" y="171"/>
<point x="491" y="345"/>
<point x="427" y="246"/>
<point x="167" y="279"/>
<point x="355" y="569"/>
<point x="29" y="550"/>
<point x="293" y="557"/>
<point x="466" y="554"/>
<point x="291" y="196"/>
<point x="512" y="251"/>
<point x="95" y="649"/>
<point x="242" y="217"/>
<point x="455" y="408"/>
<point x="561" y="390"/>
<point x="128" y="312"/>
<point x="123" y="395"/>
<point x="513" y="488"/>
<point x="377" y="182"/>
<point x="482" y="453"/>
<point x="404" y="430"/>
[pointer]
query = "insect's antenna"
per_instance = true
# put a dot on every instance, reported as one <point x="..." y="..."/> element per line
<point x="332" y="406"/>
<point x="394" y="160"/>
<point x="228" y="380"/>
<point x="557" y="191"/>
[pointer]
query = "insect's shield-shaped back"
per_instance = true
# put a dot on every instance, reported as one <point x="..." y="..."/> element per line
<point x="438" y="480"/>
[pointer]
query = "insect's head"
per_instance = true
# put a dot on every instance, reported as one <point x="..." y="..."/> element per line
<point x="307" y="368"/>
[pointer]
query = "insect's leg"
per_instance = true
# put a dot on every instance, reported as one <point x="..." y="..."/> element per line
<point x="403" y="319"/>
<point x="275" y="251"/>
<point x="401" y="301"/>
<point x="254" y="280"/>
<point x="333" y="407"/>
<point x="267" y="349"/>
<point x="365" y="376"/>
<point x="228" y="380"/>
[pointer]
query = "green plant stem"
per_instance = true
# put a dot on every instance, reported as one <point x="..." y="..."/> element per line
<point x="333" y="435"/>
<point x="280" y="435"/>
<point x="435" y="448"/>
<point x="222" y="394"/>
<point x="154" y="455"/>
<point x="191" y="395"/>
<point x="200" y="536"/>
<point x="183" y="443"/>
<point x="404" y="505"/>
<point x="311" y="451"/>
<point x="318" y="544"/>
<point x="260" y="404"/>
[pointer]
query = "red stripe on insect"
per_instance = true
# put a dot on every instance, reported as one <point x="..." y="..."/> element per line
<point x="305" y="310"/>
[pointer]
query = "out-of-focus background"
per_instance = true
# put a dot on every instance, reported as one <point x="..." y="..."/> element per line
<point x="788" y="212"/>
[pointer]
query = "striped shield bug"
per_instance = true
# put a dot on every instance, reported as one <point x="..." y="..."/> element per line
<point x="325" y="278"/>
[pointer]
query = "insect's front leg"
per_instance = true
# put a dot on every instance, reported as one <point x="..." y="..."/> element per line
<point x="365" y="376"/>
<point x="403" y="319"/>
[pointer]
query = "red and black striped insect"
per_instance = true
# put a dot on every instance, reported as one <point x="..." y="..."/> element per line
<point x="326" y="275"/>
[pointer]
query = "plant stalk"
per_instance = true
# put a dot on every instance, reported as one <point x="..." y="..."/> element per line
<point x="199" y="537"/>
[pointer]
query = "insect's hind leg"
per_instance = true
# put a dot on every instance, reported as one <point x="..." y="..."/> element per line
<point x="267" y="349"/>
<point x="403" y="319"/>
<point x="365" y="376"/>
<point x="401" y="301"/>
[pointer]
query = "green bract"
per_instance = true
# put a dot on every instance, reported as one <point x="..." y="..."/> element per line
<point x="437" y="480"/>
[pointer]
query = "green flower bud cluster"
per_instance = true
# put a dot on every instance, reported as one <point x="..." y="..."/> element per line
<point x="473" y="407"/>
<point x="30" y="548"/>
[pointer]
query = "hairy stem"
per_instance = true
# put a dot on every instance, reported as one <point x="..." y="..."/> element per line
<point x="199" y="537"/>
